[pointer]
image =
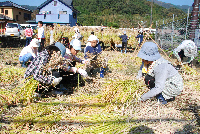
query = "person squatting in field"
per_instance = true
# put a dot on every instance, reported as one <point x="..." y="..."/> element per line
<point x="92" y="51"/>
<point x="28" y="34"/>
<point x="186" y="49"/>
<point x="29" y="52"/>
<point x="69" y="51"/>
<point x="162" y="78"/>
<point x="48" y="76"/>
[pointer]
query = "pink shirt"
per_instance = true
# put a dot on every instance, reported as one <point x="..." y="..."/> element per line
<point x="28" y="32"/>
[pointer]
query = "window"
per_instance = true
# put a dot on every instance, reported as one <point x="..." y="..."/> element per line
<point x="6" y="12"/>
<point x="62" y="12"/>
<point x="2" y="10"/>
<point x="19" y="13"/>
<point x="74" y="15"/>
<point x="16" y="17"/>
<point x="55" y="3"/>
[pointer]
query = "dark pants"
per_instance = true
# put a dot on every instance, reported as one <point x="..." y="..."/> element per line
<point x="28" y="40"/>
<point x="124" y="44"/>
<point x="182" y="55"/>
<point x="101" y="42"/>
<point x="150" y="82"/>
<point x="41" y="45"/>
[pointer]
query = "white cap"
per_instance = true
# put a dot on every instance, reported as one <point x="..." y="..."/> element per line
<point x="76" y="29"/>
<point x="93" y="37"/>
<point x="76" y="44"/>
<point x="34" y="43"/>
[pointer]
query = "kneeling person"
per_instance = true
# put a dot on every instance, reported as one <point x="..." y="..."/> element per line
<point x="29" y="52"/>
<point x="162" y="78"/>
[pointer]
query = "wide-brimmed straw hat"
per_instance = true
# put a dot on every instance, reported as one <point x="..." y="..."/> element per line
<point x="149" y="51"/>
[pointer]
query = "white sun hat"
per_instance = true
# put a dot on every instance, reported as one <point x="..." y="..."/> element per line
<point x="34" y="43"/>
<point x="76" y="44"/>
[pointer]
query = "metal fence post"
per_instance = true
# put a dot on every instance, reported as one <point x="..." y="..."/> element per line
<point x="156" y="31"/>
<point x="172" y="31"/>
<point x="187" y="23"/>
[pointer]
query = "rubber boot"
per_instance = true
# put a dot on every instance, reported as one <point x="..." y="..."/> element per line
<point x="125" y="51"/>
<point x="102" y="72"/>
<point x="121" y="51"/>
<point x="161" y="98"/>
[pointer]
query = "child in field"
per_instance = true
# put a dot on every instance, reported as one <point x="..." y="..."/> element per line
<point x="140" y="38"/>
<point x="71" y="52"/>
<point x="51" y="37"/>
<point x="92" y="52"/>
<point x="29" y="52"/>
<point x="28" y="34"/>
<point x="77" y="34"/>
<point x="40" y="35"/>
<point x="162" y="78"/>
<point x="124" y="41"/>
<point x="186" y="49"/>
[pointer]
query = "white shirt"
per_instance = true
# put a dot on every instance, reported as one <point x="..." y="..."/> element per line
<point x="26" y="50"/>
<point x="189" y="48"/>
<point x="41" y="32"/>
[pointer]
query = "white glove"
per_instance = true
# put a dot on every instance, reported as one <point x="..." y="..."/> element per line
<point x="82" y="72"/>
<point x="139" y="75"/>
<point x="56" y="81"/>
<point x="73" y="69"/>
<point x="50" y="69"/>
<point x="85" y="61"/>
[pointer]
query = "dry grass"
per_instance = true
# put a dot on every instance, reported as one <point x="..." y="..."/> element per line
<point x="107" y="105"/>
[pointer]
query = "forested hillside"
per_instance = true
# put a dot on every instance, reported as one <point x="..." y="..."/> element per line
<point x="122" y="13"/>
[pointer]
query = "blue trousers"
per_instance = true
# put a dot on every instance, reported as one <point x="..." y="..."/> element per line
<point x="25" y="58"/>
<point x="28" y="40"/>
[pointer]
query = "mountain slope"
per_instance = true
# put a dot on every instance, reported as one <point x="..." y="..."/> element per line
<point x="124" y="13"/>
<point x="169" y="5"/>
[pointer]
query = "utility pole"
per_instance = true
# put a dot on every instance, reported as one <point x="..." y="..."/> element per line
<point x="151" y="12"/>
<point x="194" y="19"/>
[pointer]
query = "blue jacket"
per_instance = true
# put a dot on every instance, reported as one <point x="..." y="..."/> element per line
<point x="92" y="50"/>
<point x="124" y="38"/>
<point x="141" y="37"/>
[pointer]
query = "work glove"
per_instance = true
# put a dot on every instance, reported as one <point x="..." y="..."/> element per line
<point x="56" y="81"/>
<point x="85" y="61"/>
<point x="82" y="72"/>
<point x="73" y="69"/>
<point x="139" y="75"/>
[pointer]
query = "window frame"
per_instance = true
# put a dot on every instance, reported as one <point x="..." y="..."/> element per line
<point x="2" y="10"/>
<point x="6" y="11"/>
<point x="55" y="3"/>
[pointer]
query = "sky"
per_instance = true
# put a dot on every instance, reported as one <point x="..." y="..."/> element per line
<point x="39" y="2"/>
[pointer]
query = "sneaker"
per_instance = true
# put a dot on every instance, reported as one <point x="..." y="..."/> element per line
<point x="37" y="95"/>
<point x="56" y="92"/>
<point x="161" y="98"/>
<point x="62" y="88"/>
